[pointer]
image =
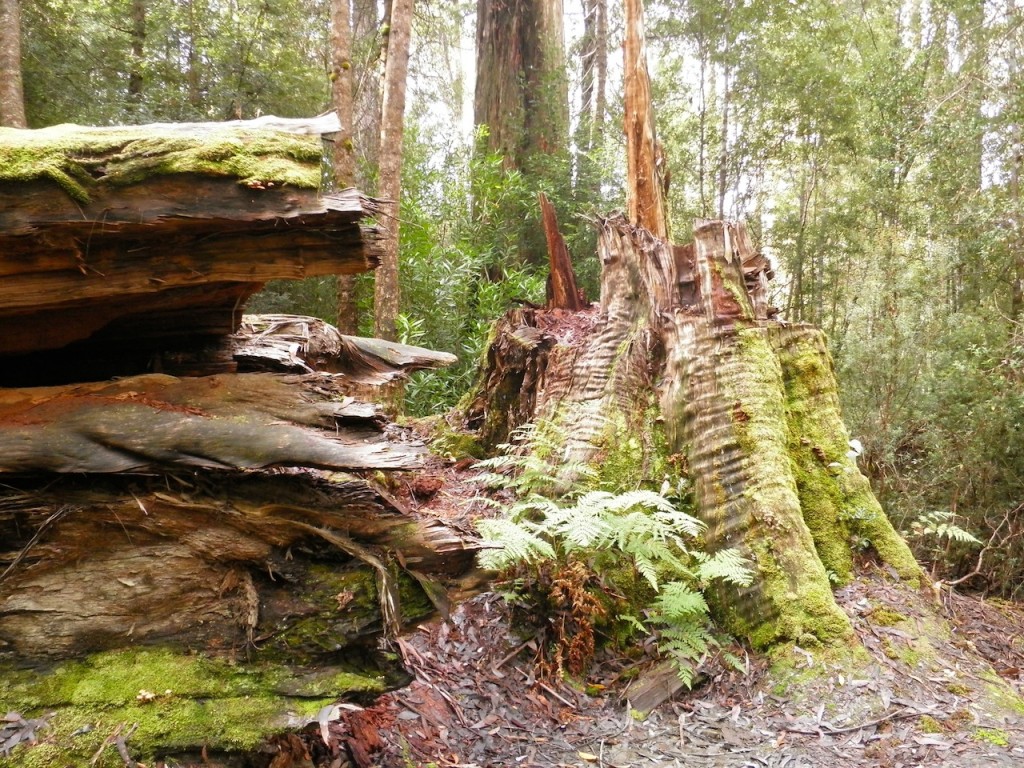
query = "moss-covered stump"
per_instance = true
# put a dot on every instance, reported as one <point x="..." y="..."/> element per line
<point x="683" y="372"/>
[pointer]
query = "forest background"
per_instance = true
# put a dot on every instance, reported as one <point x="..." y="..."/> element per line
<point x="874" y="149"/>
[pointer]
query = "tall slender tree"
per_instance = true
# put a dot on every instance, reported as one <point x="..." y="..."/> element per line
<point x="12" y="100"/>
<point x="386" y="289"/>
<point x="344" y="147"/>
<point x="522" y="94"/>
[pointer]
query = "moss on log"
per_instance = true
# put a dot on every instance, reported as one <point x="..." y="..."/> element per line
<point x="211" y="610"/>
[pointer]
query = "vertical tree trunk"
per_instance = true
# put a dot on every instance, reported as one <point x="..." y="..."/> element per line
<point x="522" y="96"/>
<point x="645" y="202"/>
<point x="12" y="98"/>
<point x="138" y="37"/>
<point x="386" y="294"/>
<point x="593" y="80"/>
<point x="366" y="84"/>
<point x="343" y="155"/>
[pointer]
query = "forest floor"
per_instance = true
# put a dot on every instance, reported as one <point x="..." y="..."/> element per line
<point x="928" y="681"/>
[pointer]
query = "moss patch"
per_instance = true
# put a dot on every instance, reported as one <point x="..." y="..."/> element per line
<point x="837" y="502"/>
<point x="80" y="160"/>
<point x="993" y="736"/>
<point x="180" y="701"/>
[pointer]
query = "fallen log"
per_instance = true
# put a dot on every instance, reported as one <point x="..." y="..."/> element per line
<point x="141" y="239"/>
<point x="152" y="422"/>
<point x="212" y="610"/>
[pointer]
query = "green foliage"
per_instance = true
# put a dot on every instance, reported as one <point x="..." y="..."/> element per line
<point x="939" y="525"/>
<point x="199" y="60"/>
<point x="637" y="530"/>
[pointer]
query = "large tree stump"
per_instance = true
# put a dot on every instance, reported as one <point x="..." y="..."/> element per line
<point x="682" y="366"/>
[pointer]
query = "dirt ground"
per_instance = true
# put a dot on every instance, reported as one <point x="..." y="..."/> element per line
<point x="938" y="683"/>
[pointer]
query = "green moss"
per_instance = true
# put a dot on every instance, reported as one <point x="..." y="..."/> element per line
<point x="928" y="724"/>
<point x="180" y="701"/>
<point x="82" y="159"/>
<point x="448" y="442"/>
<point x="886" y="617"/>
<point x="993" y="736"/>
<point x="838" y="505"/>
<point x="958" y="689"/>
<point x="1002" y="695"/>
<point x="795" y="599"/>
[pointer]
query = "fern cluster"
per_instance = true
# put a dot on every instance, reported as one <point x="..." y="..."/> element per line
<point x="637" y="528"/>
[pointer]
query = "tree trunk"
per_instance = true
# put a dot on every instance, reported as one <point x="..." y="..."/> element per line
<point x="644" y="184"/>
<point x="522" y="97"/>
<point x="138" y="37"/>
<point x="681" y="370"/>
<point x="12" y="99"/>
<point x="343" y="155"/>
<point x="386" y="293"/>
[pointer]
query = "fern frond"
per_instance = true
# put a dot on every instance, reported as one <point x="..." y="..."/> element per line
<point x="647" y="569"/>
<point x="517" y="545"/>
<point x="727" y="565"/>
<point x="678" y="603"/>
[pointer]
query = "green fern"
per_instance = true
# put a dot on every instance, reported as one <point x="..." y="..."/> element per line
<point x="643" y="527"/>
<point x="518" y="545"/>
<point x="939" y="524"/>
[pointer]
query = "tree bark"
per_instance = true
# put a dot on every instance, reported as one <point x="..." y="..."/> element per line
<point x="138" y="38"/>
<point x="522" y="98"/>
<point x="386" y="293"/>
<point x="343" y="154"/>
<point x="644" y="184"/>
<point x="12" y="98"/>
<point x="562" y="291"/>
<point x="682" y="367"/>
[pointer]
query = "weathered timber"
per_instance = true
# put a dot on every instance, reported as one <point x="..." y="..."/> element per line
<point x="243" y="421"/>
<point x="208" y="563"/>
<point x="299" y="343"/>
<point x="562" y="291"/>
<point x="211" y="610"/>
<point x="104" y="230"/>
<point x="646" y="187"/>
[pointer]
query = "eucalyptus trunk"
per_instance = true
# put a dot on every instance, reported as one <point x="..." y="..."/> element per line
<point x="12" y="99"/>
<point x="386" y="294"/>
<point x="522" y="96"/>
<point x="343" y="155"/>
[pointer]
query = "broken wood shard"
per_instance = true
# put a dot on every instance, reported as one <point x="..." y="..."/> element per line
<point x="298" y="343"/>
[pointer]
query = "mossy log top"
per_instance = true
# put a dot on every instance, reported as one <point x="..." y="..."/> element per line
<point x="152" y="236"/>
<point x="85" y="161"/>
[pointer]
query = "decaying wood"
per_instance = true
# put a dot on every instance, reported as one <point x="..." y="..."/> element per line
<point x="243" y="421"/>
<point x="645" y="161"/>
<point x="104" y="230"/>
<point x="299" y="343"/>
<point x="278" y="563"/>
<point x="562" y="291"/>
